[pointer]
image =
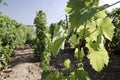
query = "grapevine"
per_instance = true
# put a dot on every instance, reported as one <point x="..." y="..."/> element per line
<point x="89" y="26"/>
<point x="12" y="35"/>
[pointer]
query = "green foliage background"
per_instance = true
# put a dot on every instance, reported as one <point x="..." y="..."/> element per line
<point x="114" y="45"/>
<point x="12" y="35"/>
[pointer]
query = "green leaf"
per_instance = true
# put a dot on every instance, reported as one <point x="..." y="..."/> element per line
<point x="45" y="74"/>
<point x="57" y="45"/>
<point x="79" y="17"/>
<point x="101" y="14"/>
<point x="67" y="9"/>
<point x="95" y="46"/>
<point x="98" y="58"/>
<point x="74" y="5"/>
<point x="74" y="39"/>
<point x="82" y="31"/>
<point x="76" y="53"/>
<point x="107" y="27"/>
<point x="79" y="5"/>
<point x="93" y="31"/>
<point x="67" y="64"/>
<point x="53" y="76"/>
<point x="81" y="75"/>
<point x="80" y="55"/>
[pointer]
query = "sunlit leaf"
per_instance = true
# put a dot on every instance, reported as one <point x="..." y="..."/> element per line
<point x="98" y="59"/>
<point x="107" y="27"/>
<point x="74" y="39"/>
<point x="79" y="17"/>
<point x="57" y="45"/>
<point x="80" y="54"/>
<point x="67" y="64"/>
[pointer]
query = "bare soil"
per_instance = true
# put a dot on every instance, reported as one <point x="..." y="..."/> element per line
<point x="110" y="72"/>
<point x="23" y="66"/>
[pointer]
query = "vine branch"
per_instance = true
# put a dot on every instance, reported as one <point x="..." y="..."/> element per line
<point x="113" y="4"/>
<point x="91" y="33"/>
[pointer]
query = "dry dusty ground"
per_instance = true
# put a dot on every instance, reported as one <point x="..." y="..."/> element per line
<point x="22" y="67"/>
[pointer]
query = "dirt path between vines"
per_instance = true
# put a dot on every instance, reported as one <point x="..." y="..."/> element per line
<point x="23" y="66"/>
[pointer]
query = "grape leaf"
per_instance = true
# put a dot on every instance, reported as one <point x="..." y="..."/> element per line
<point x="56" y="46"/>
<point x="82" y="31"/>
<point x="107" y="27"/>
<point x="80" y="16"/>
<point x="81" y="75"/>
<point x="80" y="55"/>
<point x="74" y="39"/>
<point x="67" y="64"/>
<point x="93" y="31"/>
<point x="74" y="5"/>
<point x="53" y="76"/>
<point x="101" y="14"/>
<point x="95" y="46"/>
<point x="98" y="58"/>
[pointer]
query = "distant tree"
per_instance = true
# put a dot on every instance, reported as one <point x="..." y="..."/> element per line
<point x="4" y="2"/>
<point x="1" y="1"/>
